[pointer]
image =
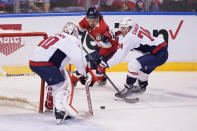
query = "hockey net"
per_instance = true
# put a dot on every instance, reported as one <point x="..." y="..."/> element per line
<point x="19" y="86"/>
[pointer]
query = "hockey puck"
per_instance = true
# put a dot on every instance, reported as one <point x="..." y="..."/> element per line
<point x="102" y="107"/>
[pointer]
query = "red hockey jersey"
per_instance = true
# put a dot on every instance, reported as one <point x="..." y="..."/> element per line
<point x="96" y="34"/>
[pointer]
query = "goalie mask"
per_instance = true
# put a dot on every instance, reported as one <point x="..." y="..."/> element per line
<point x="71" y="29"/>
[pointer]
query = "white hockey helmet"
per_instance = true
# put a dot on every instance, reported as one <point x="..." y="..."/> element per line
<point x="71" y="29"/>
<point x="126" y="22"/>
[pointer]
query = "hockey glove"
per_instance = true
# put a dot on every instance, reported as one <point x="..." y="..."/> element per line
<point x="102" y="67"/>
<point x="87" y="80"/>
<point x="83" y="79"/>
<point x="76" y="76"/>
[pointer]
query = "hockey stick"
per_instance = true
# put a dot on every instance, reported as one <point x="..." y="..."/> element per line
<point x="129" y="100"/>
<point x="89" y="99"/>
<point x="86" y="86"/>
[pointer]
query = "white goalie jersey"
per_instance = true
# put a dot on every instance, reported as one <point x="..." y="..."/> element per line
<point x="60" y="49"/>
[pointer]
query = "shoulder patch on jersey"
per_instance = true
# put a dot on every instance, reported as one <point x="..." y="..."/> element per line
<point x="98" y="37"/>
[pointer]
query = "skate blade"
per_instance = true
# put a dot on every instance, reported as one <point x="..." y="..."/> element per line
<point x="128" y="100"/>
<point x="48" y="111"/>
<point x="65" y="120"/>
<point x="58" y="121"/>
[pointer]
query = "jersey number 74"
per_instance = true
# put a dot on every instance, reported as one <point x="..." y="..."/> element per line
<point x="143" y="32"/>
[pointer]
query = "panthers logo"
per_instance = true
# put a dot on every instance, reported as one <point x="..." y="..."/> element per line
<point x="98" y="37"/>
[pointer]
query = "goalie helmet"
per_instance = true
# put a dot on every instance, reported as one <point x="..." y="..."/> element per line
<point x="126" y="22"/>
<point x="71" y="29"/>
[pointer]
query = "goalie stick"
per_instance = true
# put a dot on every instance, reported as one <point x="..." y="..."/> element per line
<point x="128" y="100"/>
<point x="89" y="99"/>
<point x="86" y="86"/>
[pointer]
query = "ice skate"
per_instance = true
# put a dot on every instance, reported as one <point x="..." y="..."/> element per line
<point x="129" y="90"/>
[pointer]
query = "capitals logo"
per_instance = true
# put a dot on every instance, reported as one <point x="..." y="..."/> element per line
<point x="8" y="45"/>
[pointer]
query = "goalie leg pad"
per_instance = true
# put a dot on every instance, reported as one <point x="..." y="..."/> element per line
<point x="69" y="97"/>
<point x="49" y="99"/>
<point x="59" y="93"/>
<point x="63" y="108"/>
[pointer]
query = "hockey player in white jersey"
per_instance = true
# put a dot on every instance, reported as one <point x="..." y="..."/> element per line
<point x="154" y="52"/>
<point x="49" y="60"/>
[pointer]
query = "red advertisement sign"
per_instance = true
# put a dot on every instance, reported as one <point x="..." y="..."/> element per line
<point x="9" y="45"/>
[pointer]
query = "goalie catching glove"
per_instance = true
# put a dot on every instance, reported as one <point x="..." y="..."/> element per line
<point x="84" y="79"/>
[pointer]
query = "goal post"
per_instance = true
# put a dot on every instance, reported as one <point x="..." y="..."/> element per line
<point x="24" y="34"/>
<point x="15" y="50"/>
<point x="19" y="86"/>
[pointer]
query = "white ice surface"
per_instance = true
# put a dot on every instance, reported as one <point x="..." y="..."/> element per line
<point x="169" y="104"/>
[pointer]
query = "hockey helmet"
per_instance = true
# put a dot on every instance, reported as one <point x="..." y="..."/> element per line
<point x="92" y="13"/>
<point x="126" y="22"/>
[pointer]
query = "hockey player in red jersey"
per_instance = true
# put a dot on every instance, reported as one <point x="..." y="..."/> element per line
<point x="96" y="27"/>
<point x="94" y="24"/>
